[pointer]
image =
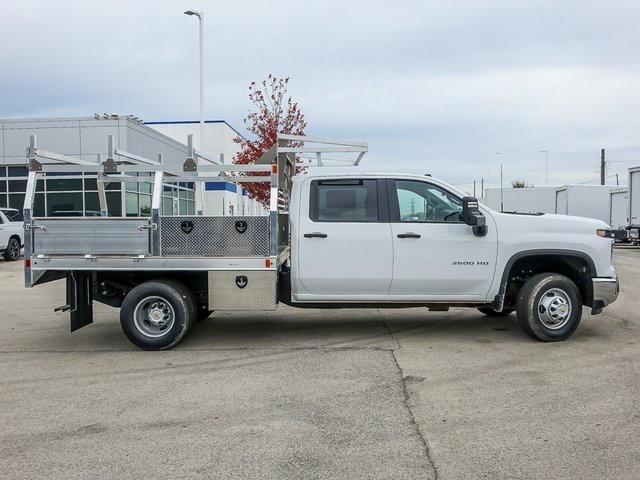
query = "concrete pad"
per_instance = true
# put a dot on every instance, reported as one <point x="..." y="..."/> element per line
<point x="319" y="393"/>
<point x="186" y="414"/>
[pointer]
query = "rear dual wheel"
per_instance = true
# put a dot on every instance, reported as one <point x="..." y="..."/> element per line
<point x="156" y="315"/>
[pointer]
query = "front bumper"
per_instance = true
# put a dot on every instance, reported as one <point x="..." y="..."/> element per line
<point x="605" y="292"/>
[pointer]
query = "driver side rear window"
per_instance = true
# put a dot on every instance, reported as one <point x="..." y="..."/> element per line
<point x="344" y="201"/>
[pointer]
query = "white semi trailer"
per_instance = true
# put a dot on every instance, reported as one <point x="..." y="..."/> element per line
<point x="591" y="201"/>
<point x="526" y="200"/>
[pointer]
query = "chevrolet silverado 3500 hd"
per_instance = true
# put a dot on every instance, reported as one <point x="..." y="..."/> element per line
<point x="334" y="238"/>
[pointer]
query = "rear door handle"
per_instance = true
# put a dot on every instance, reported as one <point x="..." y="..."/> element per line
<point x="315" y="235"/>
<point x="408" y="235"/>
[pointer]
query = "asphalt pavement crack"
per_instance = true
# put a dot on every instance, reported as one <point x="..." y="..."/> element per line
<point x="407" y="405"/>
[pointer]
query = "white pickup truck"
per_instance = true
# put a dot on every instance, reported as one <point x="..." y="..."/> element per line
<point x="335" y="238"/>
<point x="11" y="231"/>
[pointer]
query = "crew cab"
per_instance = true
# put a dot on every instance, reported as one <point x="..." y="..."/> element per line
<point x="335" y="238"/>
<point x="11" y="231"/>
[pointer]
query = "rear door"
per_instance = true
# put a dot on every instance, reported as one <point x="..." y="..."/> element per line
<point x="619" y="203"/>
<point x="344" y="239"/>
<point x="562" y="202"/>
<point x="436" y="256"/>
<point x="634" y="198"/>
<point x="4" y="232"/>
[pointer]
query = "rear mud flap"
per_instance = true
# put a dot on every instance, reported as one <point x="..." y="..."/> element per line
<point x="79" y="299"/>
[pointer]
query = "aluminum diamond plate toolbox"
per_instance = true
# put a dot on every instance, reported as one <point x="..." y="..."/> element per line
<point x="214" y="236"/>
<point x="242" y="290"/>
<point x="91" y="236"/>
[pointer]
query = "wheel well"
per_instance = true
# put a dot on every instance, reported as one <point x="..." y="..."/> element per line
<point x="112" y="287"/>
<point x="15" y="235"/>
<point x="574" y="267"/>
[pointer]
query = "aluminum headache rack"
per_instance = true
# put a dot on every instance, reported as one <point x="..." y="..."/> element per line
<point x="157" y="242"/>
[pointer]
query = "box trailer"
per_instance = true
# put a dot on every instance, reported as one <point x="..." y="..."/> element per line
<point x="591" y="201"/>
<point x="526" y="200"/>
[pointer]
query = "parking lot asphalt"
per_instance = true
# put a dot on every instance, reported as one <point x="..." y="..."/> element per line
<point x="394" y="394"/>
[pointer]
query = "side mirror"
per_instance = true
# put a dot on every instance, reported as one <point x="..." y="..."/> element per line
<point x="472" y="216"/>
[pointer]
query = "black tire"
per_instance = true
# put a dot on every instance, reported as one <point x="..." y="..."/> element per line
<point x="541" y="300"/>
<point x="12" y="253"/>
<point x="490" y="312"/>
<point x="168" y="299"/>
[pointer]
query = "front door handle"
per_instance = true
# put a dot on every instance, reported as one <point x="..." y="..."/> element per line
<point x="408" y="235"/>
<point x="315" y="235"/>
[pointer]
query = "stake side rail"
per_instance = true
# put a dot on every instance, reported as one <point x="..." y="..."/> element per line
<point x="130" y="243"/>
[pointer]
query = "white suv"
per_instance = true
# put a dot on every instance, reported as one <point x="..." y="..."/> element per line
<point x="11" y="231"/>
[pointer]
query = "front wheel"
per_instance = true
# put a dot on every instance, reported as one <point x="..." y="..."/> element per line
<point x="157" y="314"/>
<point x="549" y="307"/>
<point x="12" y="252"/>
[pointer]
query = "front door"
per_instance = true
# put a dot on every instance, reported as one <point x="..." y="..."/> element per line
<point x="436" y="256"/>
<point x="344" y="240"/>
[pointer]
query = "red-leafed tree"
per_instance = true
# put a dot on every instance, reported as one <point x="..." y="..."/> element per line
<point x="273" y="112"/>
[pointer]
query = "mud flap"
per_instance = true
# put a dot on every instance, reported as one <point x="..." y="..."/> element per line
<point x="79" y="299"/>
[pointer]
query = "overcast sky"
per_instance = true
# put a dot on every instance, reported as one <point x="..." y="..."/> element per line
<point x="439" y="87"/>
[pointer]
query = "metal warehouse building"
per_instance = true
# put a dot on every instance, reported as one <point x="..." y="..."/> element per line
<point x="76" y="194"/>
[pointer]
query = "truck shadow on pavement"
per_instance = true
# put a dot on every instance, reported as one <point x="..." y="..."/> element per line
<point x="293" y="329"/>
<point x="365" y="329"/>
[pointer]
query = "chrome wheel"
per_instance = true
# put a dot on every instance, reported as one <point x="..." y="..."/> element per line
<point x="554" y="308"/>
<point x="154" y="317"/>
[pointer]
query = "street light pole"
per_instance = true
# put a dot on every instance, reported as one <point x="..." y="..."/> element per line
<point x="546" y="162"/>
<point x="200" y="15"/>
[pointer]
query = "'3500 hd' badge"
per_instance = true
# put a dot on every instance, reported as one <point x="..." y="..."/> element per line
<point x="469" y="263"/>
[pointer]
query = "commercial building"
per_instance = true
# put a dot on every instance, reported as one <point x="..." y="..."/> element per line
<point x="76" y="194"/>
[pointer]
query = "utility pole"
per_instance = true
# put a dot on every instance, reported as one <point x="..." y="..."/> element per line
<point x="603" y="167"/>
<point x="617" y="180"/>
<point x="482" y="188"/>
<point x="474" y="188"/>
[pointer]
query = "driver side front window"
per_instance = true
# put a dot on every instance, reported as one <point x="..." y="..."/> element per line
<point x="424" y="202"/>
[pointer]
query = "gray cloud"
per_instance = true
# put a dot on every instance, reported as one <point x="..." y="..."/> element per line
<point x="433" y="86"/>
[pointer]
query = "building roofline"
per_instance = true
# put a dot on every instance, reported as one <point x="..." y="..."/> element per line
<point x="185" y="122"/>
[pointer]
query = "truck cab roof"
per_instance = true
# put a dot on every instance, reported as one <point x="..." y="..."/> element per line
<point x="356" y="171"/>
